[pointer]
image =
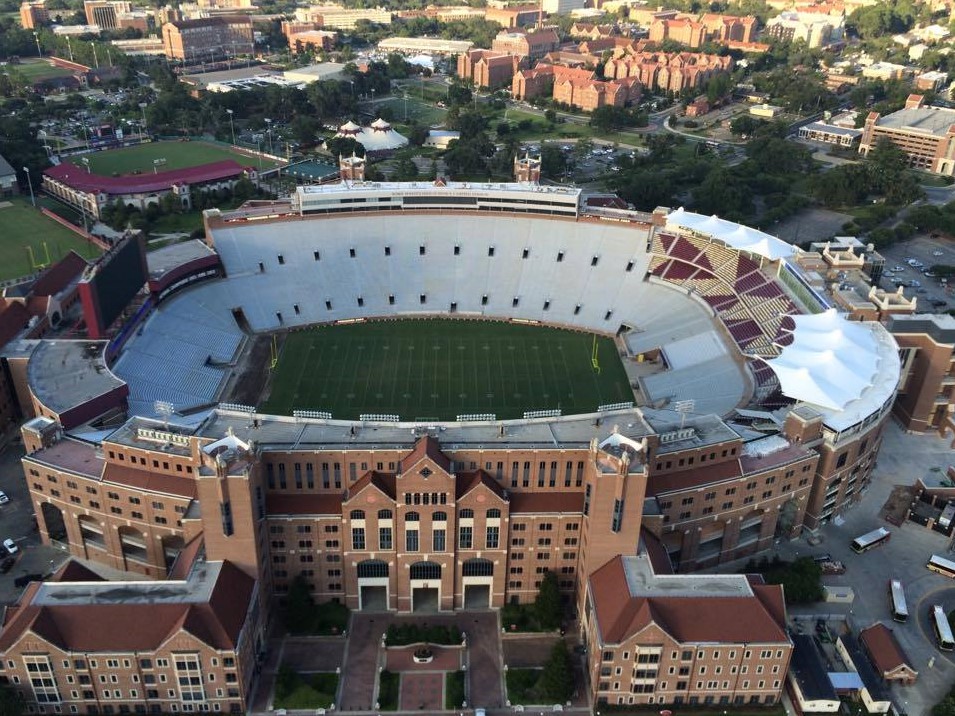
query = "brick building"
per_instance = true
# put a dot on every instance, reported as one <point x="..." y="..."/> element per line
<point x="222" y="36"/>
<point x="529" y="46"/>
<point x="925" y="134"/>
<point x="514" y="16"/>
<point x="668" y="71"/>
<point x="927" y="345"/>
<point x="33" y="14"/>
<point x="589" y="95"/>
<point x="190" y="643"/>
<point x="683" y="30"/>
<point x="540" y="80"/>
<point x="713" y="640"/>
<point x="487" y="68"/>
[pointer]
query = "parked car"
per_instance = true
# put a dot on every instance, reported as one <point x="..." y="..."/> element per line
<point x="3" y="498"/>
<point x="10" y="546"/>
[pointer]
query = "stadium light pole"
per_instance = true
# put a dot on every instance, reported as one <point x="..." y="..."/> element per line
<point x="232" y="125"/>
<point x="268" y="124"/>
<point x="142" y="106"/>
<point x="95" y="58"/>
<point x="30" y="184"/>
<point x="36" y="38"/>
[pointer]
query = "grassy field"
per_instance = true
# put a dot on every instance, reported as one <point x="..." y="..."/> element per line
<point x="422" y="112"/>
<point x="178" y="155"/>
<point x="37" y="69"/>
<point x="438" y="369"/>
<point x="24" y="226"/>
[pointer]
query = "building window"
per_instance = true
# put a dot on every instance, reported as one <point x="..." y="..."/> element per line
<point x="411" y="540"/>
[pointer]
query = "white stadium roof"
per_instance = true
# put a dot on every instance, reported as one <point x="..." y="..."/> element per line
<point x="378" y="136"/>
<point x="846" y="368"/>
<point x="741" y="238"/>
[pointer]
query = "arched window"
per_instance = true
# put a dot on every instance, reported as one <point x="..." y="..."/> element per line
<point x="477" y="568"/>
<point x="494" y="514"/>
<point x="425" y="570"/>
<point x="357" y="514"/>
<point x="372" y="568"/>
<point x="466" y="514"/>
<point x="384" y="514"/>
<point x="412" y="517"/>
<point x="439" y="517"/>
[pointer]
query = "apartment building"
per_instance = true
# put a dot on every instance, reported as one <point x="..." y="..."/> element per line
<point x="34" y="14"/>
<point x="703" y="640"/>
<point x="529" y="46"/>
<point x="539" y="81"/>
<point x="668" y="71"/>
<point x="191" y="643"/>
<point x="925" y="134"/>
<point x="105" y="13"/>
<point x="588" y="95"/>
<point x="927" y="345"/>
<point x="487" y="68"/>
<point x="222" y="36"/>
<point x="683" y="30"/>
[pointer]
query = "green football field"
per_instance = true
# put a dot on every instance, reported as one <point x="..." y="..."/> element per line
<point x="29" y="240"/>
<point x="36" y="69"/>
<point x="439" y="369"/>
<point x="178" y="155"/>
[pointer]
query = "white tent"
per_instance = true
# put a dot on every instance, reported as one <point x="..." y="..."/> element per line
<point x="738" y="236"/>
<point x="377" y="137"/>
<point x="838" y="365"/>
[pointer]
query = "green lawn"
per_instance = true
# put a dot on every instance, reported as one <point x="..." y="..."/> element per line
<point x="305" y="691"/>
<point x="422" y="112"/>
<point x="389" y="687"/>
<point x="438" y="369"/>
<point x="178" y="155"/>
<point x="22" y="227"/>
<point x="37" y="69"/>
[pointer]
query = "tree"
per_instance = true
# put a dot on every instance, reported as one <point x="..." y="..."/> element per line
<point x="344" y="147"/>
<point x="547" y="607"/>
<point x="553" y="161"/>
<point x="556" y="682"/>
<point x="299" y="607"/>
<point x="10" y="702"/>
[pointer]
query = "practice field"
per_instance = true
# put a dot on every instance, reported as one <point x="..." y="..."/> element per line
<point x="36" y="70"/>
<point x="178" y="155"/>
<point x="23" y="227"/>
<point x="439" y="369"/>
<point x="417" y="110"/>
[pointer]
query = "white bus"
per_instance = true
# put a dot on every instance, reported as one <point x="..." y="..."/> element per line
<point x="943" y="632"/>
<point x="945" y="567"/>
<point x="870" y="540"/>
<point x="900" y="612"/>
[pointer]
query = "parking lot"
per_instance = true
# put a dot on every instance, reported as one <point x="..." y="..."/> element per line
<point x="902" y="459"/>
<point x="933" y="296"/>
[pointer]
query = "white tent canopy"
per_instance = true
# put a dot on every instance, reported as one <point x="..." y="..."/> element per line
<point x="838" y="365"/>
<point x="377" y="137"/>
<point x="738" y="236"/>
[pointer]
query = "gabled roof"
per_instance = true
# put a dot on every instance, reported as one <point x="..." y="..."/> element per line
<point x="137" y="626"/>
<point x="73" y="571"/>
<point x="884" y="649"/>
<point x="383" y="481"/>
<point x="13" y="319"/>
<point x="426" y="447"/>
<point x="59" y="275"/>
<point x="690" y="613"/>
<point x="465" y="482"/>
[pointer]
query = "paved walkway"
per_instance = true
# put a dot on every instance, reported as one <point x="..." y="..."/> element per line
<point x="422" y="692"/>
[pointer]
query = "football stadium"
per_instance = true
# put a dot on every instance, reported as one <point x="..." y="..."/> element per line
<point x="422" y="397"/>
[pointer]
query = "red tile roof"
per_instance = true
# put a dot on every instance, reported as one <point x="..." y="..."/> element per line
<point x="383" y="481"/>
<point x="731" y="620"/>
<point x="426" y="447"/>
<point x="149" y="481"/>
<point x="305" y="504"/>
<point x="186" y="558"/>
<point x="59" y="275"/>
<point x="73" y="571"/>
<point x="714" y="472"/>
<point x="540" y="502"/>
<point x="81" y="180"/>
<point x="467" y="481"/>
<point x="13" y="319"/>
<point x="134" y="627"/>
<point x="883" y="648"/>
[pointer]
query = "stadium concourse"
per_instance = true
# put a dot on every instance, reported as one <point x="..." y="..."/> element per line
<point x="389" y="512"/>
